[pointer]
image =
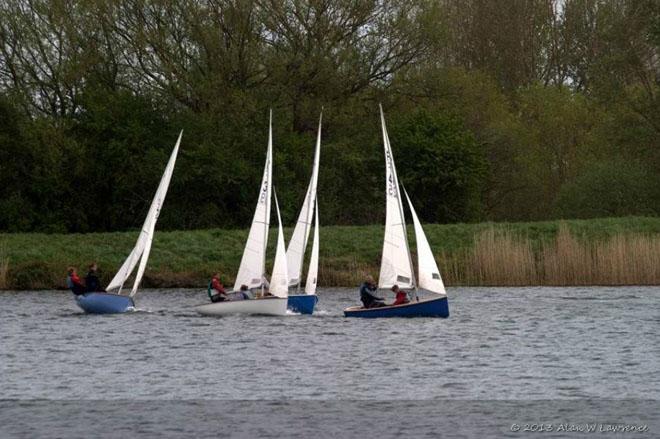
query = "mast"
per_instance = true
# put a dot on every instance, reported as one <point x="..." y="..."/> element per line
<point x="270" y="183"/>
<point x="312" y="188"/>
<point x="396" y="184"/>
<point x="302" y="254"/>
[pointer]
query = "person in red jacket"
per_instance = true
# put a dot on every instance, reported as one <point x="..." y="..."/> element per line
<point x="401" y="296"/>
<point x="216" y="290"/>
<point x="74" y="283"/>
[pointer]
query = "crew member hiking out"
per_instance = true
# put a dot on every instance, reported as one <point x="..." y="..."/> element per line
<point x="216" y="290"/>
<point x="74" y="283"/>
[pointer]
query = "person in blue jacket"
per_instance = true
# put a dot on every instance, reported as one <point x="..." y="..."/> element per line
<point x="368" y="294"/>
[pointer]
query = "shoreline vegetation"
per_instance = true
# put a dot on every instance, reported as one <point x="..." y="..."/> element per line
<point x="608" y="251"/>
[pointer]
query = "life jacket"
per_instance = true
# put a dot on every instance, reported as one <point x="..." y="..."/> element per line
<point x="76" y="288"/>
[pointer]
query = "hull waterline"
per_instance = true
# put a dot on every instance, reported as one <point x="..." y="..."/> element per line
<point x="425" y="307"/>
<point x="104" y="303"/>
<point x="302" y="303"/>
<point x="270" y="306"/>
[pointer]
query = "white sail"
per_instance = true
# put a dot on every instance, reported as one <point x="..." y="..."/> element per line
<point x="313" y="271"/>
<point x="279" y="279"/>
<point x="253" y="262"/>
<point x="127" y="267"/>
<point x="396" y="265"/>
<point x="143" y="261"/>
<point x="143" y="244"/>
<point x="298" y="243"/>
<point x="429" y="276"/>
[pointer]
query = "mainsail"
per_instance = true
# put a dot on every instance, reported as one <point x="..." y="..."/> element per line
<point x="298" y="243"/>
<point x="253" y="262"/>
<point x="429" y="276"/>
<point x="140" y="252"/>
<point x="313" y="271"/>
<point x="279" y="280"/>
<point x="396" y="264"/>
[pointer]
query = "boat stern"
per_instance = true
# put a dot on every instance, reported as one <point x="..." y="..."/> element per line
<point x="302" y="303"/>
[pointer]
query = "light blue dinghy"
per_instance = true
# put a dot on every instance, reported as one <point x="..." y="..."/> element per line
<point x="104" y="303"/>
<point x="112" y="301"/>
<point x="295" y="253"/>
<point x="396" y="266"/>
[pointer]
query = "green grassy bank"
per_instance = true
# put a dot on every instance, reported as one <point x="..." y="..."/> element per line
<point x="187" y="258"/>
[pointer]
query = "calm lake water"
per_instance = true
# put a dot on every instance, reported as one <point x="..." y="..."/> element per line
<point x="499" y="344"/>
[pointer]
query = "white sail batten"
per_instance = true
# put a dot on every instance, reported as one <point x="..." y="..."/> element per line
<point x="396" y="265"/>
<point x="298" y="243"/>
<point x="429" y="275"/>
<point x="140" y="252"/>
<point x="313" y="271"/>
<point x="279" y="280"/>
<point x="253" y="262"/>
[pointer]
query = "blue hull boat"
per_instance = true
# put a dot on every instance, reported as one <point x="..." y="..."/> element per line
<point x="104" y="303"/>
<point x="302" y="303"/>
<point x="425" y="307"/>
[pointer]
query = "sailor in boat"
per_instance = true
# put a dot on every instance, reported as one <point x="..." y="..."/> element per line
<point x="264" y="289"/>
<point x="74" y="283"/>
<point x="216" y="290"/>
<point x="242" y="294"/>
<point x="401" y="296"/>
<point x="368" y="294"/>
<point x="92" y="282"/>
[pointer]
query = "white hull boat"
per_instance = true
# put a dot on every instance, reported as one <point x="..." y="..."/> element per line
<point x="252" y="271"/>
<point x="269" y="306"/>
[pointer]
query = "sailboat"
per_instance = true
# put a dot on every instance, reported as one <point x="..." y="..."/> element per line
<point x="113" y="301"/>
<point x="295" y="253"/>
<point x="396" y="264"/>
<point x="252" y="271"/>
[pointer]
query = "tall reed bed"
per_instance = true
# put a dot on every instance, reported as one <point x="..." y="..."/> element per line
<point x="606" y="251"/>
<point x="502" y="258"/>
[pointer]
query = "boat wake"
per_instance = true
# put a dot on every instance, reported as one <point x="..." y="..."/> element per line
<point x="133" y="309"/>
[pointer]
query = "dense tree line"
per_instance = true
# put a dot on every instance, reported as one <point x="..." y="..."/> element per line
<point x="497" y="109"/>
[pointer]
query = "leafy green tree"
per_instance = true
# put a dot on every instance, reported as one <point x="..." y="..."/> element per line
<point x="610" y="188"/>
<point x="441" y="163"/>
<point x="556" y="142"/>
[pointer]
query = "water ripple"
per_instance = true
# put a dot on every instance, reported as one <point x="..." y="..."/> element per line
<point x="499" y="343"/>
